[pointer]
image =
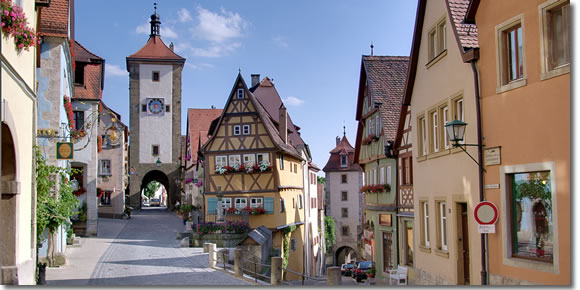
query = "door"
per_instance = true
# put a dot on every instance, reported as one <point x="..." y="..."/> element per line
<point x="463" y="245"/>
<point x="387" y="246"/>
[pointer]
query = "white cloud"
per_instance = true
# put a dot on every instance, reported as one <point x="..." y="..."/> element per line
<point x="280" y="41"/>
<point x="199" y="66"/>
<point x="143" y="29"/>
<point x="115" y="70"/>
<point x="166" y="31"/>
<point x="183" y="15"/>
<point x="216" y="50"/>
<point x="293" y="101"/>
<point x="219" y="27"/>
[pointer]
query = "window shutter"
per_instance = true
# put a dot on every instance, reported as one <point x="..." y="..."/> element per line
<point x="269" y="204"/>
<point x="212" y="205"/>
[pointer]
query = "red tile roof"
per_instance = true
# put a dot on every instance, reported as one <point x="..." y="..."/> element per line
<point x="82" y="54"/>
<point x="198" y="123"/>
<point x="342" y="148"/>
<point x="155" y="49"/>
<point x="94" y="73"/>
<point x="466" y="33"/>
<point x="54" y="19"/>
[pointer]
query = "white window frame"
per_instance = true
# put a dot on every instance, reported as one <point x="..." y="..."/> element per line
<point x="300" y="202"/>
<point x="246" y="130"/>
<point x="377" y="121"/>
<point x="221" y="160"/>
<point x="460" y="114"/>
<point x="240" y="202"/>
<point x="435" y="123"/>
<point x="249" y="160"/>
<point x="445" y="116"/>
<point x="424" y="135"/>
<point x="256" y="202"/>
<point x="546" y="51"/>
<point x="240" y="94"/>
<point x="389" y="175"/>
<point x="503" y="83"/>
<point x="345" y="158"/>
<point x="381" y="175"/>
<point x="102" y="167"/>
<point x="234" y="159"/>
<point x="375" y="175"/>
<point x="369" y="128"/>
<point x="236" y="130"/>
<point x="228" y="201"/>
<point x="265" y="157"/>
<point x="426" y="224"/>
<point x="443" y="225"/>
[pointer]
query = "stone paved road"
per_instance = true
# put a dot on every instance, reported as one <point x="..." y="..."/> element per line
<point x="145" y="252"/>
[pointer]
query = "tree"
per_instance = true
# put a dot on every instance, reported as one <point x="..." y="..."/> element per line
<point x="329" y="232"/>
<point x="151" y="188"/>
<point x="320" y="180"/>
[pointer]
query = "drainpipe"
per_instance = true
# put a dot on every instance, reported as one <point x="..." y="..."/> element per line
<point x="484" y="253"/>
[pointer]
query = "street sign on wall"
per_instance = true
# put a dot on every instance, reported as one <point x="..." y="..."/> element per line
<point x="64" y="150"/>
<point x="486" y="215"/>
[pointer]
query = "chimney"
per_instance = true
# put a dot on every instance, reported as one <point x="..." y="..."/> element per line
<point x="282" y="123"/>
<point x="171" y="46"/>
<point x="255" y="79"/>
<point x="337" y="140"/>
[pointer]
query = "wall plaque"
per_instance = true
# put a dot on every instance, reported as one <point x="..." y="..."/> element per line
<point x="492" y="156"/>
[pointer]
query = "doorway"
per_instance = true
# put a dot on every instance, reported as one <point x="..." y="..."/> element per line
<point x="463" y="262"/>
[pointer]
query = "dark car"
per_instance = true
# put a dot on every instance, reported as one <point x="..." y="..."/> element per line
<point x="346" y="269"/>
<point x="360" y="272"/>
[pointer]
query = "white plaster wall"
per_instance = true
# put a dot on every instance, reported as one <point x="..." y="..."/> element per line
<point x="155" y="129"/>
<point x="335" y="187"/>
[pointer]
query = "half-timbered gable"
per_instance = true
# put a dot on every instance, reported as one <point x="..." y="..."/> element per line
<point x="403" y="147"/>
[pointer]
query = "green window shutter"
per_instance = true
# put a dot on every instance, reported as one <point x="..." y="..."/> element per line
<point x="212" y="205"/>
<point x="269" y="204"/>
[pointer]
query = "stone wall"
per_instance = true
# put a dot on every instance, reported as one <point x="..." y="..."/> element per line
<point x="502" y="280"/>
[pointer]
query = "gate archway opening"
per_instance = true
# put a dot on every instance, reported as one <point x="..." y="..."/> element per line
<point x="155" y="189"/>
<point x="345" y="255"/>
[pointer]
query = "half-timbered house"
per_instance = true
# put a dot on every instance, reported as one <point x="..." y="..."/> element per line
<point x="252" y="163"/>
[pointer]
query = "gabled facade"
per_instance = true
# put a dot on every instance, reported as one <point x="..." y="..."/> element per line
<point x="381" y="84"/>
<point x="18" y="129"/>
<point x="344" y="203"/>
<point x="88" y="90"/>
<point x="198" y="125"/>
<point x="525" y="112"/>
<point x="440" y="88"/>
<point x="252" y="164"/>
<point x="113" y="171"/>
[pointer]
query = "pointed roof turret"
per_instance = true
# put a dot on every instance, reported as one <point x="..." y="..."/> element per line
<point x="155" y="22"/>
<point x="334" y="162"/>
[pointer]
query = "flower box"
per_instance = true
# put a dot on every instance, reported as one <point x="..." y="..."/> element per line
<point x="375" y="188"/>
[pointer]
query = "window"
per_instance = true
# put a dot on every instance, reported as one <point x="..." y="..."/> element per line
<point x="460" y="113"/>
<point x="234" y="160"/>
<point x="281" y="162"/>
<point x="425" y="224"/>
<point x="385" y="220"/>
<point x="236" y="129"/>
<point x="155" y="150"/>
<point x="345" y="231"/>
<point x="377" y="127"/>
<point x="344" y="212"/>
<point x="389" y="175"/>
<point x="374" y="176"/>
<point x="510" y="54"/>
<point x="300" y="201"/>
<point x="246" y="129"/>
<point x="79" y="119"/>
<point x="343" y="178"/>
<point x="143" y="108"/>
<point x="221" y="161"/>
<point x="262" y="157"/>
<point x="435" y="131"/>
<point x="282" y="205"/>
<point x="408" y="243"/>
<point x="249" y="160"/>
<point x="293" y="244"/>
<point x="240" y="94"/>
<point x="80" y="73"/>
<point x="155" y="76"/>
<point x="381" y="175"/>
<point x="240" y="202"/>
<point x="444" y="116"/>
<point x="531" y="224"/>
<point x="105" y="167"/>
<point x="555" y="34"/>
<point x="106" y="198"/>
<point x="167" y="108"/>
<point x="423" y="135"/>
<point x="256" y="202"/>
<point x="369" y="126"/>
<point x="344" y="160"/>
<point x="344" y="195"/>
<point x="226" y="202"/>
<point x="436" y="38"/>
<point x="407" y="170"/>
<point x="295" y="168"/>
<point x="443" y="226"/>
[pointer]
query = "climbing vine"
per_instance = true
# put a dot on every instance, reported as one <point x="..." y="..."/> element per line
<point x="286" y="249"/>
<point x="330" y="232"/>
<point x="53" y="209"/>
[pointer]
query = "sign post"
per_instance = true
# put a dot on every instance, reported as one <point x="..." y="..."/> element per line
<point x="486" y="215"/>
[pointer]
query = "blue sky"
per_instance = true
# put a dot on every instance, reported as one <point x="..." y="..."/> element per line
<point x="312" y="50"/>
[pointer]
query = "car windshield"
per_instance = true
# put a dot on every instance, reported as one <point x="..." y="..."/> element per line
<point x="349" y="266"/>
<point x="366" y="264"/>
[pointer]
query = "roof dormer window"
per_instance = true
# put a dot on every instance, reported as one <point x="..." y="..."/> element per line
<point x="344" y="160"/>
<point x="240" y="94"/>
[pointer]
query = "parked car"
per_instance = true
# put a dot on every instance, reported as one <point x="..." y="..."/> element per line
<point x="146" y="203"/>
<point x="360" y="272"/>
<point x="155" y="202"/>
<point x="346" y="269"/>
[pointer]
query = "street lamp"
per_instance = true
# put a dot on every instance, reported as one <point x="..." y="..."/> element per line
<point x="456" y="131"/>
<point x="158" y="162"/>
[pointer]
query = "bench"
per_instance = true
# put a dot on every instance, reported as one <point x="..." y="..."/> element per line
<point x="399" y="274"/>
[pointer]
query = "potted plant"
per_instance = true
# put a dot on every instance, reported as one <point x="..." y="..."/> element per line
<point x="371" y="272"/>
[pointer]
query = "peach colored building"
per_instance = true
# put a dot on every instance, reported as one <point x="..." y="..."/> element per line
<point x="524" y="71"/>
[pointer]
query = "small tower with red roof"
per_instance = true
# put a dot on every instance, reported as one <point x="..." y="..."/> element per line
<point x="155" y="116"/>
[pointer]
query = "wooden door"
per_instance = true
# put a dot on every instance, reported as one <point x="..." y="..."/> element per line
<point x="465" y="243"/>
<point x="387" y="250"/>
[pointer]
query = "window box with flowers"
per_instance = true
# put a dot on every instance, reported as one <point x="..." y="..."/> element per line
<point x="370" y="139"/>
<point x="375" y="188"/>
<point x="15" y="24"/>
<point x="263" y="166"/>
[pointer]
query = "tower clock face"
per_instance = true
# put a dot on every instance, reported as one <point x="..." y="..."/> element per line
<point x="155" y="106"/>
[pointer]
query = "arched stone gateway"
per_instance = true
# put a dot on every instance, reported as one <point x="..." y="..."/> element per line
<point x="345" y="255"/>
<point x="8" y="209"/>
<point x="156" y="175"/>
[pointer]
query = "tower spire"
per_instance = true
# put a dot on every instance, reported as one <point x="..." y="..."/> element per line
<point x="155" y="22"/>
<point x="372" y="47"/>
<point x="343" y="131"/>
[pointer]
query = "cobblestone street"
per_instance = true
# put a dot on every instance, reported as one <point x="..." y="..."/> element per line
<point x="140" y="251"/>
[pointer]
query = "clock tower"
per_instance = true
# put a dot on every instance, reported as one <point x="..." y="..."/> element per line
<point x="155" y="117"/>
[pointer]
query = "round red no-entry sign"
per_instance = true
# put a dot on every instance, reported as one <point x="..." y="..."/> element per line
<point x="486" y="213"/>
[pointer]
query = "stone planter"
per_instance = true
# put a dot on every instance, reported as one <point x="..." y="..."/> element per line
<point x="221" y="240"/>
<point x="80" y="229"/>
